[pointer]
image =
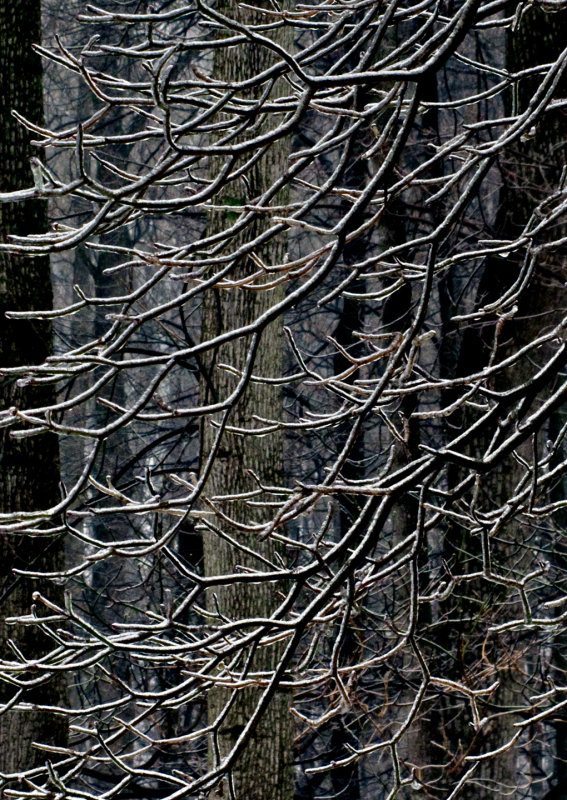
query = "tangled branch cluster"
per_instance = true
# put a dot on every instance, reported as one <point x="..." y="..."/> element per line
<point x="417" y="571"/>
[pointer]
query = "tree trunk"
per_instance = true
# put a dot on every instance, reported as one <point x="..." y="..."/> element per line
<point x="29" y="468"/>
<point x="531" y="171"/>
<point x="264" y="770"/>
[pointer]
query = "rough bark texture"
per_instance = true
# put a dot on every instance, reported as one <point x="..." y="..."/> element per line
<point x="29" y="468"/>
<point x="531" y="171"/>
<point x="265" y="768"/>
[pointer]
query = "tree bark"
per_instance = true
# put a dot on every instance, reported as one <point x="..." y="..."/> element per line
<point x="264" y="770"/>
<point x="531" y="171"/>
<point x="29" y="468"/>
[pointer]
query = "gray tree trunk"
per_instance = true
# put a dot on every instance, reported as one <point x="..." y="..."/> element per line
<point x="264" y="771"/>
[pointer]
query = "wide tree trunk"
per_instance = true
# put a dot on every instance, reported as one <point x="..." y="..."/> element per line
<point x="29" y="468"/>
<point x="264" y="770"/>
<point x="531" y="171"/>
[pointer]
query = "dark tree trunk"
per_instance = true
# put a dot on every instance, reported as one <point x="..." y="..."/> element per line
<point x="29" y="468"/>
<point x="530" y="170"/>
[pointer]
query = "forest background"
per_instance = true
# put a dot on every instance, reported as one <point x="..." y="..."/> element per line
<point x="283" y="357"/>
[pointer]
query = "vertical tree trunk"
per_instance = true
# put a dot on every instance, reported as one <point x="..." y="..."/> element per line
<point x="531" y="171"/>
<point x="29" y="468"/>
<point x="264" y="771"/>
